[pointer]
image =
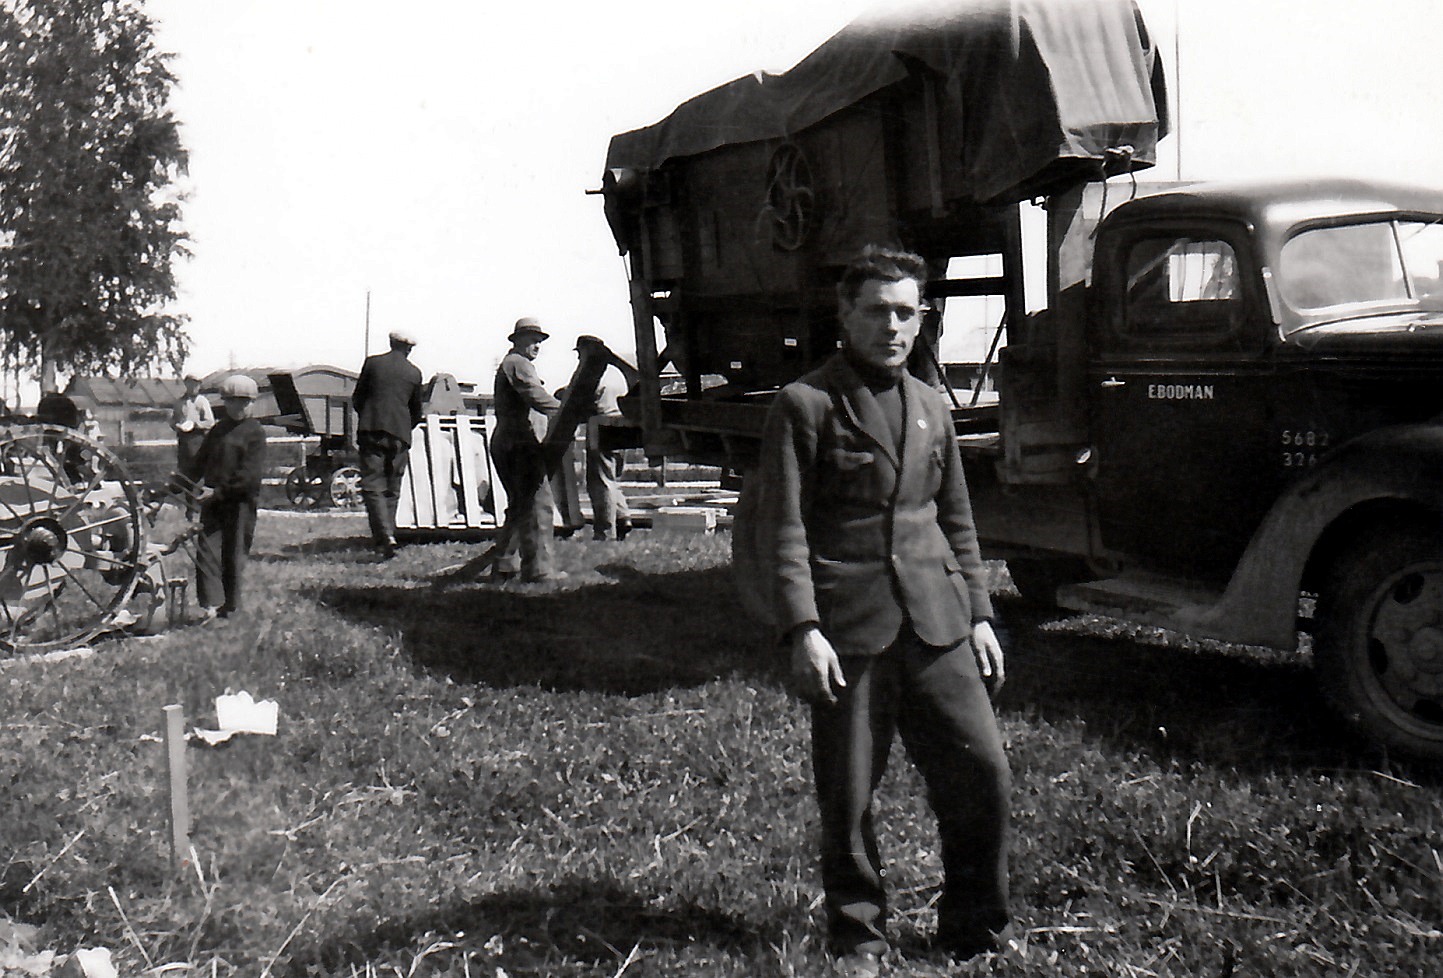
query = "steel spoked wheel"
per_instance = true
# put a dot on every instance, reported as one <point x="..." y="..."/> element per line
<point x="303" y="489"/>
<point x="71" y="538"/>
<point x="345" y="487"/>
<point x="1380" y="639"/>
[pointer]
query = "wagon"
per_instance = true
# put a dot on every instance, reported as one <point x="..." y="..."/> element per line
<point x="330" y="476"/>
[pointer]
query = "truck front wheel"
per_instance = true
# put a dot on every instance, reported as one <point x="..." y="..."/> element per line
<point x="1379" y="639"/>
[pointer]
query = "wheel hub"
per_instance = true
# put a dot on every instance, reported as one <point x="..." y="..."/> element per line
<point x="43" y="542"/>
<point x="1408" y="631"/>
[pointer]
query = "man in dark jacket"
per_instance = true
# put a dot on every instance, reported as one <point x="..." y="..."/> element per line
<point x="228" y="466"/>
<point x="523" y="409"/>
<point x="880" y="592"/>
<point x="388" y="407"/>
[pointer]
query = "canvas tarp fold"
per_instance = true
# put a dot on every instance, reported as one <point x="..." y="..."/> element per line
<point x="1041" y="91"/>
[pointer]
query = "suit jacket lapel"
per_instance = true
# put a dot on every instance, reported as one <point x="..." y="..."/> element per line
<point x="915" y="437"/>
<point x="861" y="407"/>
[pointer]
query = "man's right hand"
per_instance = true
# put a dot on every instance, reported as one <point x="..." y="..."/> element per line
<point x="816" y="670"/>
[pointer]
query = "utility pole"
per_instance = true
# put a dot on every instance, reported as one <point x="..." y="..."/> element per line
<point x="367" y="342"/>
<point x="1177" y="83"/>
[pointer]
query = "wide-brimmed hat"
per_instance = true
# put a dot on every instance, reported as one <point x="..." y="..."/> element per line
<point x="527" y="326"/>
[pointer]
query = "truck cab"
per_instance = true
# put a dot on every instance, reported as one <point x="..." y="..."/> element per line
<point x="1262" y="415"/>
<point x="1242" y="333"/>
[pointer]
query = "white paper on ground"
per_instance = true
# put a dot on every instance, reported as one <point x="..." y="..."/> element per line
<point x="241" y="713"/>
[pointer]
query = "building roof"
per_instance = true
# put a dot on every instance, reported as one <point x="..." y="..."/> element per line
<point x="144" y="392"/>
<point x="127" y="392"/>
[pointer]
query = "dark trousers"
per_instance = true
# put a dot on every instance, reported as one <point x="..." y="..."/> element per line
<point x="529" y="514"/>
<point x="187" y="443"/>
<point x="936" y="700"/>
<point x="383" y="464"/>
<point x="227" y="528"/>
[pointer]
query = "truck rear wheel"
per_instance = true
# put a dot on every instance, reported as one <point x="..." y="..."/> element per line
<point x="1379" y="642"/>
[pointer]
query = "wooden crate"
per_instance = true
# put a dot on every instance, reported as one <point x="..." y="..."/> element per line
<point x="450" y="483"/>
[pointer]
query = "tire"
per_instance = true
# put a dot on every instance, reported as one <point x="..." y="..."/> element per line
<point x="1378" y="645"/>
<point x="303" y="489"/>
<point x="344" y="487"/>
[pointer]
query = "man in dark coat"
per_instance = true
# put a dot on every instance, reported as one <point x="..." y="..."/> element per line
<point x="523" y="409"/>
<point x="879" y="590"/>
<point x="388" y="407"/>
<point x="229" y="466"/>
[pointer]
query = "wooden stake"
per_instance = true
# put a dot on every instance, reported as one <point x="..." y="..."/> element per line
<point x="179" y="800"/>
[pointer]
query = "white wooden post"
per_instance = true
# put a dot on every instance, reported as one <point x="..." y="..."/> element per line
<point x="179" y="800"/>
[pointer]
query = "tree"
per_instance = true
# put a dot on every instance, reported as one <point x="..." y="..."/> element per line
<point x="89" y="216"/>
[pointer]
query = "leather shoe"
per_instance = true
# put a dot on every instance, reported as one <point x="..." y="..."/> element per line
<point x="962" y="946"/>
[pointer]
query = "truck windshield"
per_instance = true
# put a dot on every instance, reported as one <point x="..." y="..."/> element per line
<point x="1334" y="272"/>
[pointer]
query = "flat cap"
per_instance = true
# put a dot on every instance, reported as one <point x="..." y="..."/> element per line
<point x="402" y="336"/>
<point x="239" y="385"/>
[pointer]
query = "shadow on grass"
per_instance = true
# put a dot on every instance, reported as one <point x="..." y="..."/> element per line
<point x="653" y="631"/>
<point x="643" y="633"/>
<point x="551" y="931"/>
<point x="1221" y="707"/>
<point x="356" y="543"/>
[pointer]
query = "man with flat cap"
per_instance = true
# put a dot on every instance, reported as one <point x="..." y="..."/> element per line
<point x="523" y="408"/>
<point x="388" y="407"/>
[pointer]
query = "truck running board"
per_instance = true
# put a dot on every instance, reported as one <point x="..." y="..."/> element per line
<point x="1149" y="598"/>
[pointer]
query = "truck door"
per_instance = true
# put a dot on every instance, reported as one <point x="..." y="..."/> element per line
<point x="1177" y="380"/>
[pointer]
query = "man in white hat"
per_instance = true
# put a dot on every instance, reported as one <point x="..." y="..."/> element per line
<point x="190" y="417"/>
<point x="388" y="407"/>
<point x="229" y="466"/>
<point x="523" y="407"/>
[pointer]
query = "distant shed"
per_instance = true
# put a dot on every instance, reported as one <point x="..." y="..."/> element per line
<point x="128" y="410"/>
<point x="137" y="409"/>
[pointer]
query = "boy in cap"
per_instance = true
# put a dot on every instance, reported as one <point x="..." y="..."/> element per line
<point x="388" y="407"/>
<point x="523" y="407"/>
<point x="228" y="465"/>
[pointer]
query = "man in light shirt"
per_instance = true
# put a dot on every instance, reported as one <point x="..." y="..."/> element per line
<point x="191" y="417"/>
<point x="610" y="516"/>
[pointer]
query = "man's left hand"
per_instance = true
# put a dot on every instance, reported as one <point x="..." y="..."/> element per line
<point x="989" y="654"/>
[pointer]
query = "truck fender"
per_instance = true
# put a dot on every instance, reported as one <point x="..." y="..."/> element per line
<point x="1400" y="466"/>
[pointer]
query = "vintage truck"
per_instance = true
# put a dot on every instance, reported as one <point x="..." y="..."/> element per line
<point x="1227" y="416"/>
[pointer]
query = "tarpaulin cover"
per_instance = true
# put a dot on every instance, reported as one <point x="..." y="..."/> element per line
<point x="1031" y="83"/>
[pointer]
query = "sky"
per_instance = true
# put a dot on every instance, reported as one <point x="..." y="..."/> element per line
<point x="435" y="155"/>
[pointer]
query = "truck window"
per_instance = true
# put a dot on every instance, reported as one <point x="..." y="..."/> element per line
<point x="1181" y="287"/>
<point x="1422" y="246"/>
<point x="1346" y="265"/>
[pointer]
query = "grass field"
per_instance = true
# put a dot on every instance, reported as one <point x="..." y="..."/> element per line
<point x="609" y="777"/>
